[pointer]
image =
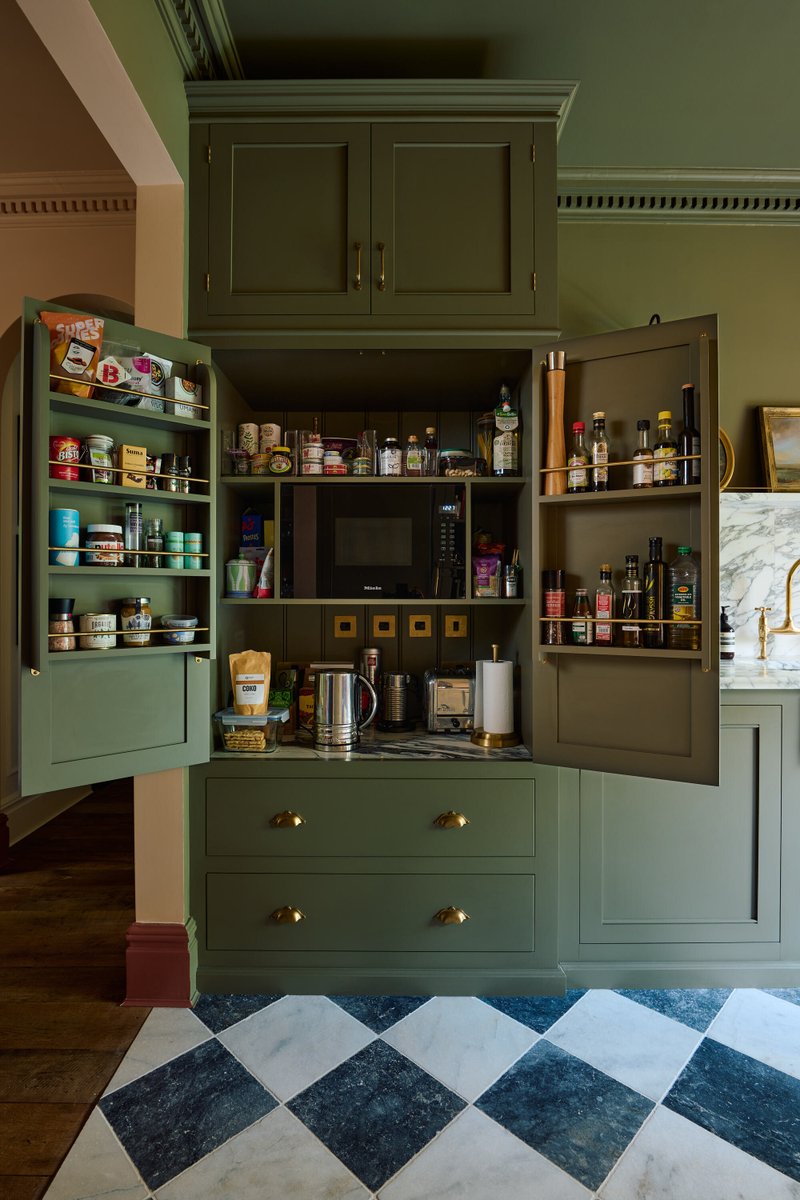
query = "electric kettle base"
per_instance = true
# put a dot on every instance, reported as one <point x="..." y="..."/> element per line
<point x="338" y="738"/>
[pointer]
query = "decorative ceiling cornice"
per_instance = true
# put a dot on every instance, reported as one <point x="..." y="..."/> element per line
<point x="74" y="197"/>
<point x="202" y="38"/>
<point x="683" y="196"/>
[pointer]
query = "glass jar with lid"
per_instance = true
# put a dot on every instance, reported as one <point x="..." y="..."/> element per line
<point x="391" y="457"/>
<point x="104" y="546"/>
<point x="136" y="620"/>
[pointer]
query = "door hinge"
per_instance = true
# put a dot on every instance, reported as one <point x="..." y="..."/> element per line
<point x="533" y="153"/>
<point x="208" y="154"/>
<point x="207" y="281"/>
<point x="533" y="281"/>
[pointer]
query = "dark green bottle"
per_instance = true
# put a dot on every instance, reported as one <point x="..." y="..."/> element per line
<point x="655" y="584"/>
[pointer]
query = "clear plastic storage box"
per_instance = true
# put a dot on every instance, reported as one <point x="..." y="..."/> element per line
<point x="259" y="734"/>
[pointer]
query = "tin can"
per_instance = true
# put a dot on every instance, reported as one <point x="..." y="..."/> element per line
<point x="269" y="435"/>
<point x="65" y="530"/>
<point x="97" y="631"/>
<point x="64" y="452"/>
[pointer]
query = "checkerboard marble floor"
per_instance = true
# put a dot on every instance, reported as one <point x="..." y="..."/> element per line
<point x="619" y="1095"/>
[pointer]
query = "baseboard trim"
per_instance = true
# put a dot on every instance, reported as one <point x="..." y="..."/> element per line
<point x="769" y="973"/>
<point x="159" y="965"/>
<point x="384" y="981"/>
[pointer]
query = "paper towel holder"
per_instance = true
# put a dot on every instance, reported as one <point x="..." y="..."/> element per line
<point x="494" y="741"/>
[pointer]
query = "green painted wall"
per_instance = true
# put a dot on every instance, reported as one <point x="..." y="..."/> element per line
<point x="613" y="276"/>
<point x="138" y="35"/>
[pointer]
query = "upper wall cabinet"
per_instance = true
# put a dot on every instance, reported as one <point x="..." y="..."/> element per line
<point x="374" y="206"/>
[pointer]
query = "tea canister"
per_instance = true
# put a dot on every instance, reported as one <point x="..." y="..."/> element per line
<point x="240" y="578"/>
<point x="97" y="631"/>
<point x="193" y="549"/>
<point x="65" y="453"/>
<point x="104" y="546"/>
<point x="269" y="436"/>
<point x="136" y="620"/>
<point x="280" y="462"/>
<point x="173" y="543"/>
<point x="65" y="530"/>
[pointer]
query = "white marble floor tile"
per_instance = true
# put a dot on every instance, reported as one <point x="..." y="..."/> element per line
<point x="474" y="1158"/>
<point x="166" y="1033"/>
<point x="97" y="1167"/>
<point x="275" y="1159"/>
<point x="461" y="1041"/>
<point x="674" y="1159"/>
<point x="631" y="1043"/>
<point x="295" y="1041"/>
<point x="762" y="1026"/>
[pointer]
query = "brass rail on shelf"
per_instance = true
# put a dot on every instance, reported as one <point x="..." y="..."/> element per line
<point x="51" y="462"/>
<point x="132" y="632"/>
<point x="110" y="387"/>
<point x="624" y="620"/>
<point x="122" y="550"/>
<point x="620" y="462"/>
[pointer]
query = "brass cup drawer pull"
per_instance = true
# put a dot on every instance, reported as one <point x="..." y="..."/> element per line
<point x="287" y="820"/>
<point x="451" y="820"/>
<point x="451" y="916"/>
<point x="288" y="915"/>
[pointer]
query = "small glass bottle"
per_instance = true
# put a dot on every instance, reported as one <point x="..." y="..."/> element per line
<point x="413" y="457"/>
<point x="631" y="630"/>
<point x="665" y="453"/>
<point x="430" y="453"/>
<point x="654" y="597"/>
<point x="643" y="457"/>
<point x="689" y="439"/>
<point x="727" y="637"/>
<point x="604" y="605"/>
<point x="577" y="475"/>
<point x="582" y="630"/>
<point x="133" y="533"/>
<point x="154" y="541"/>
<point x="185" y="473"/>
<point x="391" y="457"/>
<point x="599" y="453"/>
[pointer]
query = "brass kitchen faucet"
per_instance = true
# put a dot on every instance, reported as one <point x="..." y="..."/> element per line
<point x="788" y="625"/>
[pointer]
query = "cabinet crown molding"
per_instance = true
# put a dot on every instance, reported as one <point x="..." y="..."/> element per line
<point x="383" y="99"/>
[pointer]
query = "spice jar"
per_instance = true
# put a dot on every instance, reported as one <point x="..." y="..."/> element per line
<point x="135" y="614"/>
<point x="104" y="546"/>
<point x="60" y="622"/>
<point x="169" y="473"/>
<point x="185" y="473"/>
<point x="154" y="540"/>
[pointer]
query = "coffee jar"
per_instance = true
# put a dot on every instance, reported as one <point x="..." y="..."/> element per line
<point x="136" y="620"/>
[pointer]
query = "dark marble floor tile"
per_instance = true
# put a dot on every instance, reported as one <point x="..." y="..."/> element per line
<point x="537" y="1012"/>
<point x="379" y="1013"/>
<point x="220" y="1012"/>
<point x="790" y="994"/>
<point x="695" y="1007"/>
<point x="744" y="1101"/>
<point x="175" y="1115"/>
<point x="376" y="1111"/>
<point x="579" y="1118"/>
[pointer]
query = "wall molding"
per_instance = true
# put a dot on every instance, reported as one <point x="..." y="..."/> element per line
<point x="76" y="197"/>
<point x="201" y="38"/>
<point x="679" y="195"/>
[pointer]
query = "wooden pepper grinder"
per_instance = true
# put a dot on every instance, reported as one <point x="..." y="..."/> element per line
<point x="555" y="482"/>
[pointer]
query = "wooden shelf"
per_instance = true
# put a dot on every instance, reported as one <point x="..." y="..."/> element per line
<point x="481" y="481"/>
<point x="114" y="489"/>
<point x="141" y="572"/>
<point x="620" y="652"/>
<point x="129" y="651"/>
<point x="625" y="495"/>
<point x="88" y="406"/>
<point x="378" y="601"/>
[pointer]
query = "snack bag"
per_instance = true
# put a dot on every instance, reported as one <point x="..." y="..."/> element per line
<point x="75" y="342"/>
<point x="250" y="672"/>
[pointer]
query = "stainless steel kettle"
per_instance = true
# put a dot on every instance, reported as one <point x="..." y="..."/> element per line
<point x="337" y="709"/>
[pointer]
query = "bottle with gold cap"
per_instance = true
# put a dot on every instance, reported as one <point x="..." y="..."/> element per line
<point x="665" y="453"/>
<point x="599" y="452"/>
<point x="604" y="605"/>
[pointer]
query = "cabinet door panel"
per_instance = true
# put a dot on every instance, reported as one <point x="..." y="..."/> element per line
<point x="665" y="863"/>
<point x="286" y="205"/>
<point x="453" y="206"/>
<point x="640" y="712"/>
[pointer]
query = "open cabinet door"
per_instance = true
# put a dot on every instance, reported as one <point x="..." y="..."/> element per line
<point x="89" y="715"/>
<point x="648" y="712"/>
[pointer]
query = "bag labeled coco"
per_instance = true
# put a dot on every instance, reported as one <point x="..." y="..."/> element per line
<point x="250" y="674"/>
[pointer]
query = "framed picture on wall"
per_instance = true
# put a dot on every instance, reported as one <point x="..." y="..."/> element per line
<point x="780" y="446"/>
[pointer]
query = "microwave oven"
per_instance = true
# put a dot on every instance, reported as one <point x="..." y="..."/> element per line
<point x="372" y="541"/>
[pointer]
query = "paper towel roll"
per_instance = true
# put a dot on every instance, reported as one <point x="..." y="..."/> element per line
<point x="477" y="715"/>
<point x="498" y="697"/>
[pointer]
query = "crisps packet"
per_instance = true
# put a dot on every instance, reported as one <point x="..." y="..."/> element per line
<point x="75" y="342"/>
<point x="250" y="672"/>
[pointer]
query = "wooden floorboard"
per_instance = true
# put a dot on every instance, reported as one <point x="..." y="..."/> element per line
<point x="65" y="903"/>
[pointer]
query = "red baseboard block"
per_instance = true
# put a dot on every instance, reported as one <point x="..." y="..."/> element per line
<point x="158" y="966"/>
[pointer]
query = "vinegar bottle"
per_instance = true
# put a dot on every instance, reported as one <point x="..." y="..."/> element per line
<point x="631" y="630"/>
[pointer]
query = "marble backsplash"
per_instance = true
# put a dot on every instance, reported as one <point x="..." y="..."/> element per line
<point x="759" y="539"/>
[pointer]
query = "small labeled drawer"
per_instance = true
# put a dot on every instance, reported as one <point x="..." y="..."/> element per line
<point x="405" y="818"/>
<point x="370" y="912"/>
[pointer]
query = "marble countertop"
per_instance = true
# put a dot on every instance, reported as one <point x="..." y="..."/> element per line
<point x="417" y="745"/>
<point x="753" y="674"/>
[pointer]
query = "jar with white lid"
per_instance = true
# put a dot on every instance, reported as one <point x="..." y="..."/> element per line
<point x="99" y="447"/>
<point x="104" y="546"/>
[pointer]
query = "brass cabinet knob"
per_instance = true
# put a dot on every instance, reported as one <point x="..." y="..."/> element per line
<point x="451" y="916"/>
<point x="451" y="820"/>
<point x="287" y="820"/>
<point x="288" y="915"/>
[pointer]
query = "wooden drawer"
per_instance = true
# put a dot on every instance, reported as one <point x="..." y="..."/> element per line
<point x="369" y="817"/>
<point x="369" y="912"/>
